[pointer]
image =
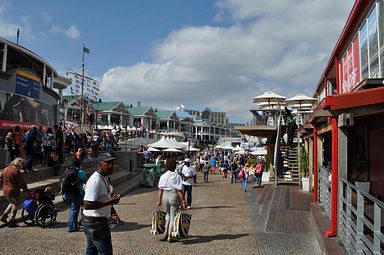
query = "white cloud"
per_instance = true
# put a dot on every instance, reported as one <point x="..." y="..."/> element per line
<point x="71" y="32"/>
<point x="7" y="29"/>
<point x="272" y="45"/>
<point x="46" y="17"/>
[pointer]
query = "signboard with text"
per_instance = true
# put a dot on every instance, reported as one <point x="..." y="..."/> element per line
<point x="27" y="84"/>
<point x="350" y="68"/>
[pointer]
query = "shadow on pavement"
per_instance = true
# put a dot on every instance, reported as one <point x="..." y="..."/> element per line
<point x="129" y="226"/>
<point x="207" y="239"/>
<point x="213" y="207"/>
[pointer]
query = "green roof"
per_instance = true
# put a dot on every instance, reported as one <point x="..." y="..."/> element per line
<point x="105" y="106"/>
<point x="138" y="110"/>
<point x="164" y="114"/>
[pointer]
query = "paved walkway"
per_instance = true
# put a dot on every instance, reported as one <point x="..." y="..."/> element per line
<point x="225" y="220"/>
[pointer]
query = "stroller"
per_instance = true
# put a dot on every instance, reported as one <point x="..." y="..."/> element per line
<point x="39" y="208"/>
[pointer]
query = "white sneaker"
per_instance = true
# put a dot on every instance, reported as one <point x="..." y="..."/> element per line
<point x="189" y="207"/>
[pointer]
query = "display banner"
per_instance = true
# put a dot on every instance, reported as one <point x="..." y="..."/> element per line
<point x="350" y="67"/>
<point x="27" y="84"/>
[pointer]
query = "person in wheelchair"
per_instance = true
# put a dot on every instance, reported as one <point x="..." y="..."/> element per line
<point x="39" y="208"/>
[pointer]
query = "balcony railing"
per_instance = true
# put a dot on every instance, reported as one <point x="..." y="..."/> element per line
<point x="325" y="190"/>
<point x="361" y="219"/>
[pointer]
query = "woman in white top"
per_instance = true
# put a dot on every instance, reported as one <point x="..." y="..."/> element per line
<point x="170" y="194"/>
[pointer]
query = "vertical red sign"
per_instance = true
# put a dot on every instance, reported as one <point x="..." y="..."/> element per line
<point x="350" y="68"/>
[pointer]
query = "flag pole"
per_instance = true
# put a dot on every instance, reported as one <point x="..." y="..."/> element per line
<point x="82" y="91"/>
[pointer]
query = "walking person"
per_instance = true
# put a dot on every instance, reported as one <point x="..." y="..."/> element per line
<point x="48" y="143"/>
<point x="244" y="174"/>
<point x="205" y="170"/>
<point x="169" y="196"/>
<point x="259" y="172"/>
<point x="12" y="183"/>
<point x="97" y="208"/>
<point x="30" y="138"/>
<point x="188" y="174"/>
<point x="73" y="197"/>
<point x="234" y="171"/>
<point x="59" y="142"/>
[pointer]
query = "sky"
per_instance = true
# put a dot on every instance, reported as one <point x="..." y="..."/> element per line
<point x="165" y="53"/>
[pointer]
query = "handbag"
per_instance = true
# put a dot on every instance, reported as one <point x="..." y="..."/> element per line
<point x="181" y="224"/>
<point x="158" y="222"/>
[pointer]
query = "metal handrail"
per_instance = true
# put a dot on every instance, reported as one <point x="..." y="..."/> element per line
<point x="360" y="234"/>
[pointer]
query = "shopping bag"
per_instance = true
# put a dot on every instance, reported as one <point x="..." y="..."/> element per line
<point x="181" y="224"/>
<point x="158" y="223"/>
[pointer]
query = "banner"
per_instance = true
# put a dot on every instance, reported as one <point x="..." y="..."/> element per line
<point x="350" y="67"/>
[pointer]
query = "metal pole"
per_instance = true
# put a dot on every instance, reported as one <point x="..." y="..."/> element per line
<point x="82" y="91"/>
<point x="277" y="145"/>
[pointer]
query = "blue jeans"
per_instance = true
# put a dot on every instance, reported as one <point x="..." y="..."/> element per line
<point x="188" y="193"/>
<point x="245" y="184"/>
<point x="206" y="176"/>
<point x="74" y="201"/>
<point x="233" y="176"/>
<point x="99" y="239"/>
<point x="258" y="178"/>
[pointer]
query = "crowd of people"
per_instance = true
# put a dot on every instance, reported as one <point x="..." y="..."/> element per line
<point x="51" y="146"/>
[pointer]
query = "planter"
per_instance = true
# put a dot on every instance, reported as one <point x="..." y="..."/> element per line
<point x="305" y="183"/>
<point x="265" y="177"/>
<point x="364" y="186"/>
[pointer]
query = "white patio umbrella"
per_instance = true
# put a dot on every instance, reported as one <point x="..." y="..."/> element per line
<point x="172" y="150"/>
<point x="193" y="149"/>
<point x="237" y="148"/>
<point x="301" y="100"/>
<point x="153" y="149"/>
<point x="259" y="152"/>
<point x="269" y="97"/>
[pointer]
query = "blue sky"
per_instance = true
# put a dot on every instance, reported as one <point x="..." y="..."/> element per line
<point x="170" y="52"/>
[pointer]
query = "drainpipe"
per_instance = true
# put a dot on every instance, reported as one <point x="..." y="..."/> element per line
<point x="334" y="189"/>
<point x="315" y="167"/>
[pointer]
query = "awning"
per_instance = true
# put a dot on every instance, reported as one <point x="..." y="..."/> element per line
<point x="336" y="104"/>
<point x="259" y="131"/>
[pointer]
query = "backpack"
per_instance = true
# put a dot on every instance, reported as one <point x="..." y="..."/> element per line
<point x="68" y="182"/>
<point x="241" y="173"/>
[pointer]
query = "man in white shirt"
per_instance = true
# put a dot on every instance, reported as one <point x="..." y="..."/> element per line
<point x="188" y="174"/>
<point x="98" y="200"/>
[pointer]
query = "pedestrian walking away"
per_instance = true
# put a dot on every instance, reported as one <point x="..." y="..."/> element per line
<point x="12" y="183"/>
<point x="205" y="170"/>
<point x="169" y="196"/>
<point x="97" y="208"/>
<point x="188" y="173"/>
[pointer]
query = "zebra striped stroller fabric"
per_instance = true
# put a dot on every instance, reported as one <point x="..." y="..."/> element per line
<point x="181" y="224"/>
<point x="158" y="222"/>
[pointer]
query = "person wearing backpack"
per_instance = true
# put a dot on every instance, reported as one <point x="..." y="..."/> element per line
<point x="259" y="172"/>
<point x="71" y="187"/>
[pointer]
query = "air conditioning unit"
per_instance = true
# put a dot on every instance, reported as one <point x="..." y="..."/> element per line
<point x="345" y="120"/>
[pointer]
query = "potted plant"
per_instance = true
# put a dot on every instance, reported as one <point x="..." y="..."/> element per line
<point x="304" y="163"/>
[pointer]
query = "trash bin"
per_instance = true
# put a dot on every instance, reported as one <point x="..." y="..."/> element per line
<point x="151" y="174"/>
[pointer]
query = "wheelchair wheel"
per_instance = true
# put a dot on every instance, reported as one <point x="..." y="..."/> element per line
<point x="28" y="219"/>
<point x="45" y="215"/>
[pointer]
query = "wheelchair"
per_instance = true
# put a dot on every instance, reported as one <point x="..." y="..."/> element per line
<point x="39" y="208"/>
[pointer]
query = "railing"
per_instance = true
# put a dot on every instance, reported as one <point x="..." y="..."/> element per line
<point x="361" y="219"/>
<point x="324" y="190"/>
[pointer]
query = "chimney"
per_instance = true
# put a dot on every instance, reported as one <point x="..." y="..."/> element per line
<point x="138" y="104"/>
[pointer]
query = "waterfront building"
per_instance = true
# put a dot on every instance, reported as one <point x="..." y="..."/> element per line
<point x="30" y="89"/>
<point x="346" y="131"/>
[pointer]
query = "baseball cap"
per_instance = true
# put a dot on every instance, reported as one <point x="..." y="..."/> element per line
<point x="106" y="157"/>
<point x="187" y="160"/>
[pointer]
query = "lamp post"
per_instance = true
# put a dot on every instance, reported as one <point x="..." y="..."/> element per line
<point x="97" y="112"/>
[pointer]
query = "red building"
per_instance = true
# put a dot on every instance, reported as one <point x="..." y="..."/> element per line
<point x="348" y="132"/>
